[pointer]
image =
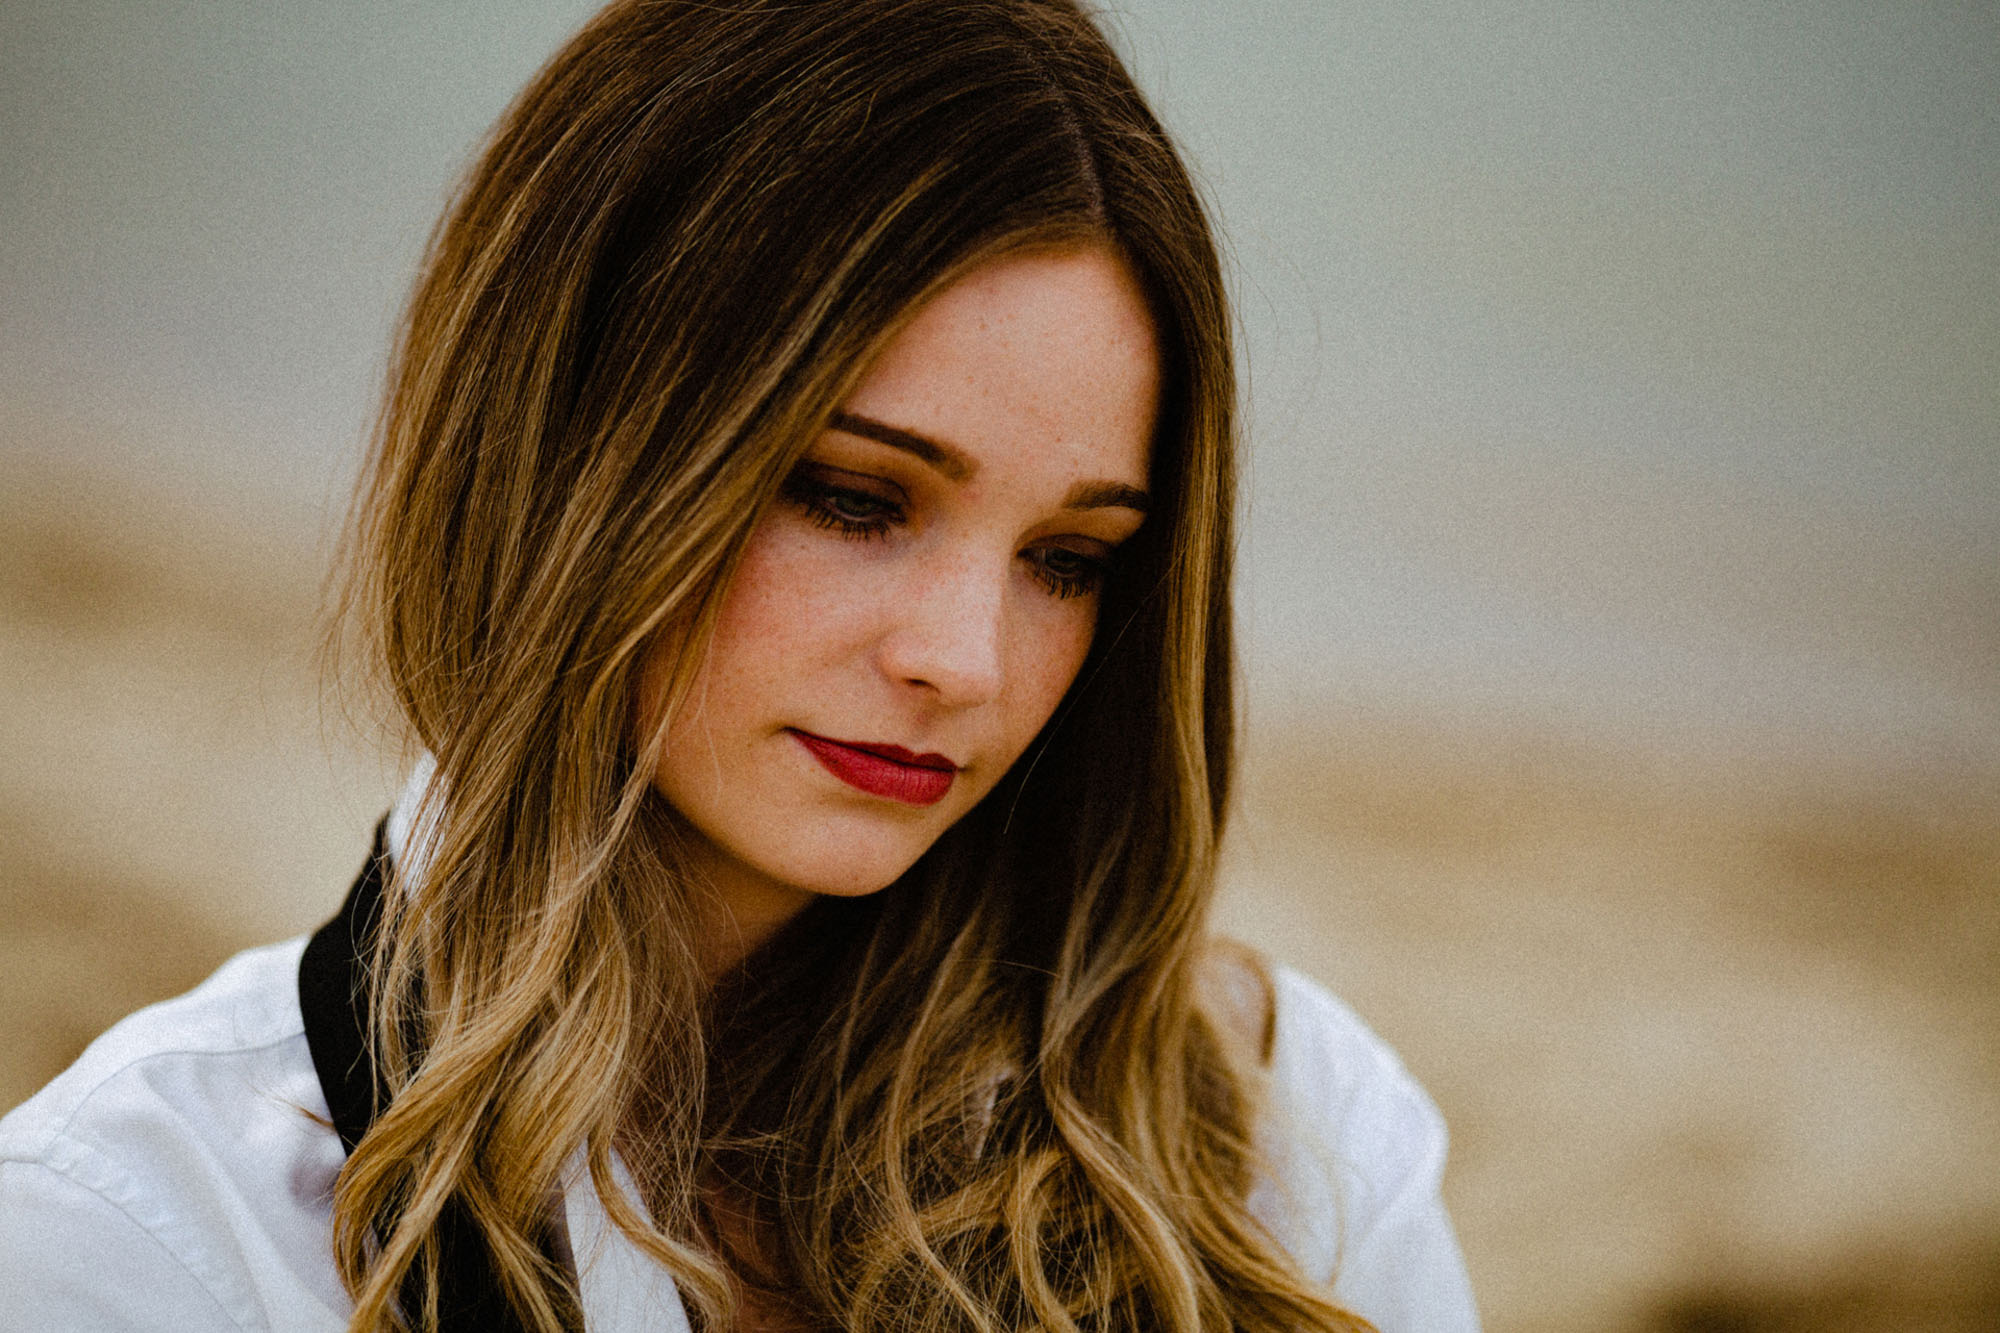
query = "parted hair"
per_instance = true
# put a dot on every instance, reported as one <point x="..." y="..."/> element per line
<point x="1017" y="1088"/>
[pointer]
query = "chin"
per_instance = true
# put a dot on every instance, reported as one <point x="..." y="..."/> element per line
<point x="851" y="864"/>
<point x="855" y="878"/>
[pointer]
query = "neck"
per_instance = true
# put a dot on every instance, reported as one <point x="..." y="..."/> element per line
<point x="738" y="915"/>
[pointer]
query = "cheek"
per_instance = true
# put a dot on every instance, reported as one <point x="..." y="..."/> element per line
<point x="786" y="605"/>
<point x="764" y="625"/>
<point x="768" y="602"/>
<point x="1045" y="660"/>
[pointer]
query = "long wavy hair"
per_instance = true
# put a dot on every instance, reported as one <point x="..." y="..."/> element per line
<point x="1011" y="1089"/>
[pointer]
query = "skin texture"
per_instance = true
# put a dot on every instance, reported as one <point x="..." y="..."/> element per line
<point x="943" y="605"/>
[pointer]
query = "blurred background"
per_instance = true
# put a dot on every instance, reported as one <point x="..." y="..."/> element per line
<point x="1621" y="579"/>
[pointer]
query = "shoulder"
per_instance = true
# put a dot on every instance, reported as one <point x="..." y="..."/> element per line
<point x="214" y="1054"/>
<point x="1355" y="1153"/>
<point x="1328" y="1064"/>
<point x="190" y="1144"/>
<point x="1346" y="1129"/>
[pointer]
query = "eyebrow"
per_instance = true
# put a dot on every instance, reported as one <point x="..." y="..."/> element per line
<point x="1106" y="495"/>
<point x="957" y="466"/>
<point x="943" y="457"/>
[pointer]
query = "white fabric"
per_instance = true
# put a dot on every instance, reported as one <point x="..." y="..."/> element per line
<point x="621" y="1287"/>
<point x="179" y="1177"/>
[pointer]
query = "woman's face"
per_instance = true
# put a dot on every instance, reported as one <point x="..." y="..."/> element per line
<point x="911" y="609"/>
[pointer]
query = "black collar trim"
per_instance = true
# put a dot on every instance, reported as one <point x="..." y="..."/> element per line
<point x="333" y="985"/>
<point x="334" y="999"/>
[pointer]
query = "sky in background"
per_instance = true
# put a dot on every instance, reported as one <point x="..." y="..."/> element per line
<point x="1630" y="367"/>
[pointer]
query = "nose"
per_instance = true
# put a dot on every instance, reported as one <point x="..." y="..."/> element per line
<point x="946" y="631"/>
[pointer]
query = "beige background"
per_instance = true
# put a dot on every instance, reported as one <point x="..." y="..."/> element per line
<point x="1623" y="618"/>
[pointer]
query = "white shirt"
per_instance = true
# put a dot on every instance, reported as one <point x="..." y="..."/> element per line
<point x="178" y="1177"/>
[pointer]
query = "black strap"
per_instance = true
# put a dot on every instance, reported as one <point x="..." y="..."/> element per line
<point x="333" y="983"/>
<point x="333" y="996"/>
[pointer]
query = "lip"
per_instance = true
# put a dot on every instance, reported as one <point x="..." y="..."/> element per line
<point x="888" y="771"/>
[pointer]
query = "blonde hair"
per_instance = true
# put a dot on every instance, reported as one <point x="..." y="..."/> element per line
<point x="1000" y="1093"/>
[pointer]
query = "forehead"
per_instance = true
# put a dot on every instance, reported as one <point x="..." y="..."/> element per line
<point x="1047" y="359"/>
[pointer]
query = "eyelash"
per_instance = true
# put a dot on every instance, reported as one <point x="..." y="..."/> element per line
<point x="822" y="503"/>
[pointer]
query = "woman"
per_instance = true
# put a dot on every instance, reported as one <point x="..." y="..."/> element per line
<point x="798" y="536"/>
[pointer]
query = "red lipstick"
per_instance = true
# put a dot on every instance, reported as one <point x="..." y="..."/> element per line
<point x="883" y="770"/>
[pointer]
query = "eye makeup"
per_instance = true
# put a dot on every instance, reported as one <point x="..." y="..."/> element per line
<point x="849" y="503"/>
<point x="1068" y="573"/>
<point x="859" y="506"/>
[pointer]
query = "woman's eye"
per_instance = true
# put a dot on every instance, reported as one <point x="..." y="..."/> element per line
<point x="1066" y="573"/>
<point x="845" y="509"/>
